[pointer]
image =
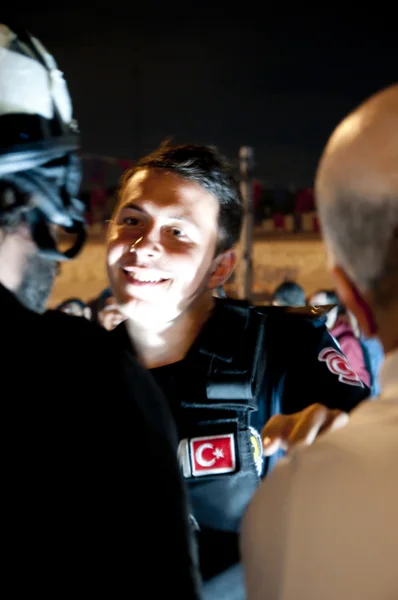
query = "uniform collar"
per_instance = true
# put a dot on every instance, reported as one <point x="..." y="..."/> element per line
<point x="221" y="335"/>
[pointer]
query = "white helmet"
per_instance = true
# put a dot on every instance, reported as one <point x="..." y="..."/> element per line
<point x="35" y="105"/>
<point x="38" y="142"/>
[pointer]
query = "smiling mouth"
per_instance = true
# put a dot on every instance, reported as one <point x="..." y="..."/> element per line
<point x="141" y="280"/>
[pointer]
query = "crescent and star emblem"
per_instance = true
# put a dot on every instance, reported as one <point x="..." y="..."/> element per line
<point x="217" y="453"/>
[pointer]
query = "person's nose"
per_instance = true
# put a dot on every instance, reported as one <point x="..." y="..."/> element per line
<point x="147" y="246"/>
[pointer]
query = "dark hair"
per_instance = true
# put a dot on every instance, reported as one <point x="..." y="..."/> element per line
<point x="289" y="293"/>
<point x="205" y="166"/>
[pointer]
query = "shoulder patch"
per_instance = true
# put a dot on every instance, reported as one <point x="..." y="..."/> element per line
<point x="337" y="364"/>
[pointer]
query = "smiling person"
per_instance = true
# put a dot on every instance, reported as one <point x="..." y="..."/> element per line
<point x="226" y="369"/>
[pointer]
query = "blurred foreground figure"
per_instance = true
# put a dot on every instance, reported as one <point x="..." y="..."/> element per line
<point x="325" y="523"/>
<point x="92" y="492"/>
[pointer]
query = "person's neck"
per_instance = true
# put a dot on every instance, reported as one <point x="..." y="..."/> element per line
<point x="167" y="343"/>
<point x="387" y="328"/>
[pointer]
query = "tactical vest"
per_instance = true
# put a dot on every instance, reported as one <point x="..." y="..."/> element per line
<point x="214" y="395"/>
<point x="222" y="378"/>
<point x="220" y="453"/>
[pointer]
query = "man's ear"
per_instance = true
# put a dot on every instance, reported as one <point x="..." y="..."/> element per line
<point x="354" y="301"/>
<point x="222" y="268"/>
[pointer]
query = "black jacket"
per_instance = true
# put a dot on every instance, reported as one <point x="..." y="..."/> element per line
<point x="93" y="503"/>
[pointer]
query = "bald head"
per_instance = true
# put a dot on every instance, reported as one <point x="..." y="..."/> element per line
<point x="357" y="195"/>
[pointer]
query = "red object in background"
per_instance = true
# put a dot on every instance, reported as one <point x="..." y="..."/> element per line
<point x="304" y="201"/>
<point x="279" y="221"/>
<point x="315" y="224"/>
<point x="98" y="205"/>
<point x="125" y="164"/>
<point x="98" y="198"/>
<point x="97" y="172"/>
<point x="257" y="191"/>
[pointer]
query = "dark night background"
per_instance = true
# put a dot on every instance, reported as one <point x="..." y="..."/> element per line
<point x="276" y="78"/>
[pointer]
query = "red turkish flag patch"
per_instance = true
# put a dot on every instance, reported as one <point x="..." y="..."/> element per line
<point x="213" y="454"/>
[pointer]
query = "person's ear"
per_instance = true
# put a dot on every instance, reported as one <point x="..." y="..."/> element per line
<point x="222" y="268"/>
<point x="354" y="301"/>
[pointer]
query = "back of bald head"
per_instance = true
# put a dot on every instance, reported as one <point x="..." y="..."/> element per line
<point x="357" y="195"/>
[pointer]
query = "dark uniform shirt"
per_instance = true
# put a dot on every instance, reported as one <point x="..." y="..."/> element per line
<point x="220" y="447"/>
<point x="92" y="495"/>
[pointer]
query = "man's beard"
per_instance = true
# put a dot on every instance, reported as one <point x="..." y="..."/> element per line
<point x="37" y="283"/>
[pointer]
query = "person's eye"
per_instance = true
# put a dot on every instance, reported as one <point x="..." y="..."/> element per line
<point x="176" y="232"/>
<point x="132" y="221"/>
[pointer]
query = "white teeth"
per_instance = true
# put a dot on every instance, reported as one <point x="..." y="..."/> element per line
<point x="146" y="277"/>
<point x="145" y="280"/>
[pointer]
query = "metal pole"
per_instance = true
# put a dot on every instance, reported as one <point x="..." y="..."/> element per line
<point x="246" y="162"/>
